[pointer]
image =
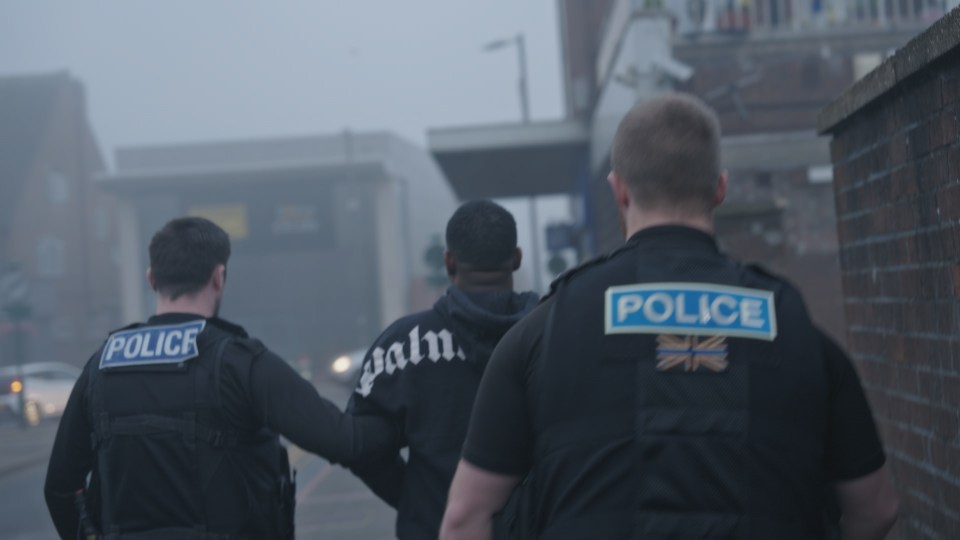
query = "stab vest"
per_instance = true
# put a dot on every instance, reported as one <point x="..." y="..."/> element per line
<point x="169" y="465"/>
<point x="628" y="448"/>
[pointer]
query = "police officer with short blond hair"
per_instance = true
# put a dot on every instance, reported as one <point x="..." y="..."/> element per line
<point x="666" y="391"/>
<point x="177" y="420"/>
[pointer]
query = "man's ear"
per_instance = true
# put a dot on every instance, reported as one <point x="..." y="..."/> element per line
<point x="152" y="282"/>
<point x="219" y="277"/>
<point x="621" y="193"/>
<point x="450" y="263"/>
<point x="517" y="258"/>
<point x="721" y="192"/>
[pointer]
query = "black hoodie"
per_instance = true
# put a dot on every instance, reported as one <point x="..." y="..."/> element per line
<point x="423" y="373"/>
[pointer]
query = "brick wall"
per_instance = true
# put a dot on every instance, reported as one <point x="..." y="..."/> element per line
<point x="896" y="154"/>
<point x="75" y="302"/>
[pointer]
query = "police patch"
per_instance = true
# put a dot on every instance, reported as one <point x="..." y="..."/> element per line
<point x="168" y="344"/>
<point x="703" y="309"/>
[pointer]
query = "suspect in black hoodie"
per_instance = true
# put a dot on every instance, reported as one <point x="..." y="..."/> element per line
<point x="424" y="370"/>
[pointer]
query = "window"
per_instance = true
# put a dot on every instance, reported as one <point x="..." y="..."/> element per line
<point x="50" y="256"/>
<point x="820" y="174"/>
<point x="101" y="223"/>
<point x="58" y="190"/>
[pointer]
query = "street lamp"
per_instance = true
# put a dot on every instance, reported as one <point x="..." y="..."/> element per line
<point x="518" y="42"/>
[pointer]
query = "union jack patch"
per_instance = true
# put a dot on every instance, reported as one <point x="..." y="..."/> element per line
<point x="691" y="352"/>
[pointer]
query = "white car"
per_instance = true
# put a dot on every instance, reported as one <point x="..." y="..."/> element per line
<point x="345" y="368"/>
<point x="45" y="386"/>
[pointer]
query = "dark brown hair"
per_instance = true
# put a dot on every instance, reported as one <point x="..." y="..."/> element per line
<point x="184" y="253"/>
<point x="667" y="150"/>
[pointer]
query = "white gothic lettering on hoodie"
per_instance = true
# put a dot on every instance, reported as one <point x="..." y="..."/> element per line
<point x="432" y="346"/>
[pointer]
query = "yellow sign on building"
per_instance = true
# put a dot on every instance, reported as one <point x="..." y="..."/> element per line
<point x="231" y="217"/>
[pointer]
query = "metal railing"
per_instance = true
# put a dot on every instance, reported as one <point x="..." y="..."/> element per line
<point x="803" y="15"/>
<point x="774" y="16"/>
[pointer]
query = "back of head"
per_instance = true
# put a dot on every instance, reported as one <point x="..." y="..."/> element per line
<point x="184" y="254"/>
<point x="482" y="234"/>
<point x="667" y="150"/>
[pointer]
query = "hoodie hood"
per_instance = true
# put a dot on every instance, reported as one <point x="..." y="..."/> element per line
<point x="480" y="319"/>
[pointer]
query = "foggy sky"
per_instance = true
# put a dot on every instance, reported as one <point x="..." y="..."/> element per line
<point x="183" y="71"/>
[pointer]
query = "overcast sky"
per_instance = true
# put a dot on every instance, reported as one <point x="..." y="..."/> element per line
<point x="181" y="71"/>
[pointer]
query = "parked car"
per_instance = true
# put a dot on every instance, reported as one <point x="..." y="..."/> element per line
<point x="345" y="368"/>
<point x="45" y="386"/>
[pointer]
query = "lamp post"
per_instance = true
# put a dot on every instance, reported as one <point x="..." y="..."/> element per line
<point x="519" y="42"/>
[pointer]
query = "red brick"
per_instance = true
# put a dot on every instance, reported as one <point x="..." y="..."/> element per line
<point x="953" y="163"/>
<point x="950" y="88"/>
<point x="929" y="386"/>
<point x="905" y="441"/>
<point x="948" y="203"/>
<point x="950" y="127"/>
<point x="951" y="388"/>
<point x="955" y="277"/>
<point x="945" y="423"/>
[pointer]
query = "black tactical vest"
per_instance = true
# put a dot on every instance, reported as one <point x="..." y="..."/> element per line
<point x="169" y="465"/>
<point x="640" y="436"/>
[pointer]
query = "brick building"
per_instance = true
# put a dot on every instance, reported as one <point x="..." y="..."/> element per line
<point x="767" y="67"/>
<point x="55" y="225"/>
<point x="896" y="156"/>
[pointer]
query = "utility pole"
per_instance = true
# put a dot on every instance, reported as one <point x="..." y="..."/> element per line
<point x="519" y="42"/>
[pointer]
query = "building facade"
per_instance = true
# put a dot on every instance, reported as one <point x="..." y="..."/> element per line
<point x="56" y="227"/>
<point x="328" y="233"/>
<point x="767" y="67"/>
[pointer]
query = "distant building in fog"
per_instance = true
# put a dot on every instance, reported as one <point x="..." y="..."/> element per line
<point x="55" y="225"/>
<point x="768" y="67"/>
<point x="329" y="233"/>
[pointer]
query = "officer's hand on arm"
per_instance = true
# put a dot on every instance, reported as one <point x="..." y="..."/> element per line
<point x="291" y="406"/>
<point x="475" y="496"/>
<point x="384" y="474"/>
<point x="70" y="461"/>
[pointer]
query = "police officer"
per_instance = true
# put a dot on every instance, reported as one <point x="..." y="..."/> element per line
<point x="177" y="420"/>
<point x="666" y="391"/>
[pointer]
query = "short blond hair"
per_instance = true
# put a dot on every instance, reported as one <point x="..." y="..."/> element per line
<point x="667" y="150"/>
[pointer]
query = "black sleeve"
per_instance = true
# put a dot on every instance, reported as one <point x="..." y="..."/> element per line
<point x="70" y="461"/>
<point x="291" y="406"/>
<point x="383" y="476"/>
<point x="382" y="398"/>
<point x="853" y="447"/>
<point x="500" y="437"/>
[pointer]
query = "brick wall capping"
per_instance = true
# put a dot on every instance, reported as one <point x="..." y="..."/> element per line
<point x="941" y="38"/>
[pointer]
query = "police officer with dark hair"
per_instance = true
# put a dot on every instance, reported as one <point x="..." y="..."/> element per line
<point x="177" y="420"/>
<point x="422" y="373"/>
<point x="665" y="391"/>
